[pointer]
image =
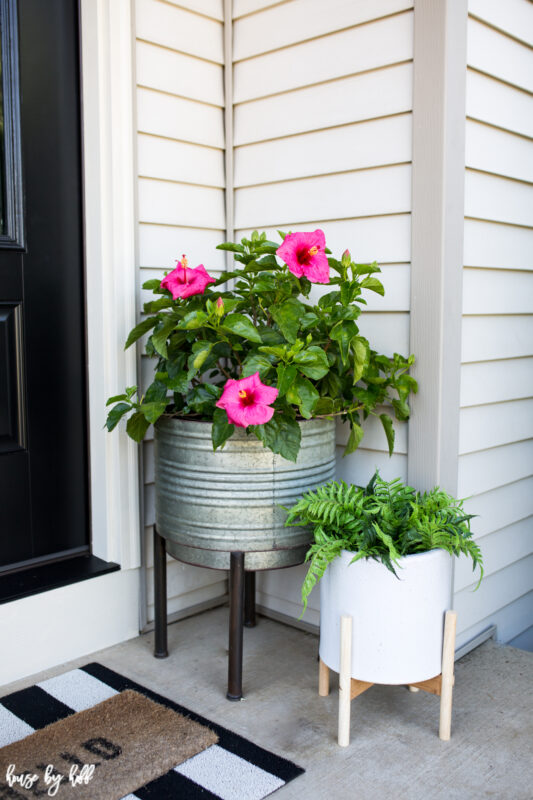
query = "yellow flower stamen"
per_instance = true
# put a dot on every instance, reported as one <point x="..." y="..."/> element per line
<point x="242" y="394"/>
<point x="184" y="263"/>
<point x="313" y="251"/>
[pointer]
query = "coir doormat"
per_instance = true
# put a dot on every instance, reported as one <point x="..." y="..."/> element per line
<point x="104" y="752"/>
<point x="232" y="769"/>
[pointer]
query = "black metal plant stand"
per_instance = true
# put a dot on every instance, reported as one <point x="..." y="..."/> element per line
<point x="241" y="611"/>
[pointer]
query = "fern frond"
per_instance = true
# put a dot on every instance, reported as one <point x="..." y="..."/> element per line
<point x="384" y="520"/>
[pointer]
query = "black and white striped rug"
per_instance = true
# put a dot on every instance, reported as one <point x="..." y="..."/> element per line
<point x="233" y="769"/>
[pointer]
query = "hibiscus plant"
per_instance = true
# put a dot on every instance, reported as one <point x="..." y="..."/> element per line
<point x="251" y="349"/>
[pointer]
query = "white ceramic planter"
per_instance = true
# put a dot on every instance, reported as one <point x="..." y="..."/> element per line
<point x="397" y="622"/>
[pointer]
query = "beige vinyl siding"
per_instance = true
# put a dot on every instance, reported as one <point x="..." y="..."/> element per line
<point x="181" y="184"/>
<point x="322" y="141"/>
<point x="496" y="428"/>
<point x="213" y="9"/>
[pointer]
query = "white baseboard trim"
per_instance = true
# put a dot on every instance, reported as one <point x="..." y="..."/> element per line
<point x="191" y="611"/>
<point x="488" y="633"/>
<point x="285" y="619"/>
<point x="51" y="628"/>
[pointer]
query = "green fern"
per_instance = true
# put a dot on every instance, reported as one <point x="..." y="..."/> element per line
<point x="384" y="520"/>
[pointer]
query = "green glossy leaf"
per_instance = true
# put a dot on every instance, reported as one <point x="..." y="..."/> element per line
<point x="152" y="411"/>
<point x="156" y="392"/>
<point x="346" y="293"/>
<point x="360" y="358"/>
<point x="116" y="414"/>
<point x="153" y="306"/>
<point x="356" y="434"/>
<point x="332" y="384"/>
<point x="176" y="365"/>
<point x="343" y="333"/>
<point x="242" y="326"/>
<point x="312" y="362"/>
<point x="327" y="301"/>
<point x="269" y="249"/>
<point x="116" y="398"/>
<point x="373" y="284"/>
<point x="232" y="247"/>
<point x="409" y="382"/>
<point x="401" y="409"/>
<point x="286" y="377"/>
<point x="202" y="398"/>
<point x="256" y="362"/>
<point x="265" y="283"/>
<point x="200" y="351"/>
<point x="367" y="269"/>
<point x="222" y="429"/>
<point x="308" y="320"/>
<point x="137" y="426"/>
<point x="226" y="276"/>
<point x="386" y="421"/>
<point x="193" y="320"/>
<point x="178" y="383"/>
<point x="303" y="394"/>
<point x="279" y="351"/>
<point x="325" y="405"/>
<point x="143" y="327"/>
<point x="159" y="338"/>
<point x="268" y="260"/>
<point x="282" y="435"/>
<point x="153" y="283"/>
<point x="287" y="316"/>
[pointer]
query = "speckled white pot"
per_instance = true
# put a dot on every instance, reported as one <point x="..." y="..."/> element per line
<point x="397" y="622"/>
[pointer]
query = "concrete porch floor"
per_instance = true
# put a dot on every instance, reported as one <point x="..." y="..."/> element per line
<point x="394" y="752"/>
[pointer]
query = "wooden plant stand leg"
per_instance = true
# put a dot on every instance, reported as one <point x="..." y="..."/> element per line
<point x="345" y="681"/>
<point x="323" y="678"/>
<point x="236" y="621"/>
<point x="442" y="684"/>
<point x="349" y="688"/>
<point x="448" y="655"/>
<point x="160" y="596"/>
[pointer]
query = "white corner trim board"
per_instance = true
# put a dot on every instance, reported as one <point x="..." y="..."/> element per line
<point x="437" y="240"/>
<point x="67" y="623"/>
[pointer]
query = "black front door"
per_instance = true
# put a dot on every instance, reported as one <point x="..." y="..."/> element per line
<point x="43" y="443"/>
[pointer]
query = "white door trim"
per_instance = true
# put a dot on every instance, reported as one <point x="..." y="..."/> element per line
<point x="108" y="86"/>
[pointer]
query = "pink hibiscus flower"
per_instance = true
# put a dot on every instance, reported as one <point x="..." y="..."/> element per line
<point x="184" y="282"/>
<point x="247" y="401"/>
<point x="304" y="254"/>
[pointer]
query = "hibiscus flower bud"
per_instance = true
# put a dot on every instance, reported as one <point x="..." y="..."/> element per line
<point x="219" y="308"/>
<point x="346" y="258"/>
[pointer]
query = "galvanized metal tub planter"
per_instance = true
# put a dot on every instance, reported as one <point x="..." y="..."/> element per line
<point x="209" y="504"/>
<point x="223" y="510"/>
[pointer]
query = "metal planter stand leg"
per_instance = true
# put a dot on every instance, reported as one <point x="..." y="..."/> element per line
<point x="236" y="620"/>
<point x="249" y="600"/>
<point x="160" y="596"/>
